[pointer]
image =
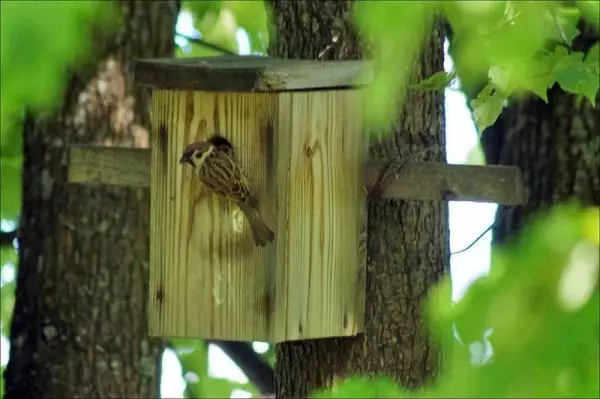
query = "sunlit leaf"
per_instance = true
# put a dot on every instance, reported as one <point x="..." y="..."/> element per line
<point x="487" y="106"/>
<point x="592" y="59"/>
<point x="539" y="81"/>
<point x="563" y="21"/>
<point x="539" y="78"/>
<point x="575" y="77"/>
<point x="591" y="225"/>
<point x="476" y="156"/>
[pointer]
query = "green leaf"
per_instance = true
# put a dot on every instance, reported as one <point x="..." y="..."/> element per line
<point x="487" y="106"/>
<point x="592" y="59"/>
<point x="576" y="77"/>
<point x="437" y="81"/>
<point x="476" y="156"/>
<point x="563" y="21"/>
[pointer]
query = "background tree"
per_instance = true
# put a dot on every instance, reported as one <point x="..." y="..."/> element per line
<point x="556" y="145"/>
<point x="79" y="323"/>
<point x="407" y="241"/>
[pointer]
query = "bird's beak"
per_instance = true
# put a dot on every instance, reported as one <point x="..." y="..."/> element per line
<point x="186" y="159"/>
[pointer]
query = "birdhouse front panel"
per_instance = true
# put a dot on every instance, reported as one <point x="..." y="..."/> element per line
<point x="208" y="278"/>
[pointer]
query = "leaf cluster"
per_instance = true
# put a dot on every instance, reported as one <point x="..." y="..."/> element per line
<point x="518" y="47"/>
<point x="541" y="300"/>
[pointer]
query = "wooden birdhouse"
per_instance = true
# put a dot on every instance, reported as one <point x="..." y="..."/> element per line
<point x="297" y="132"/>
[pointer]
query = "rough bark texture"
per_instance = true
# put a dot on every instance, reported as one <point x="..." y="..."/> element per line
<point x="407" y="241"/>
<point x="556" y="146"/>
<point x="79" y="324"/>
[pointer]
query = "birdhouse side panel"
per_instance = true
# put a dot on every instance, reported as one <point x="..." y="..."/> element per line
<point x="322" y="151"/>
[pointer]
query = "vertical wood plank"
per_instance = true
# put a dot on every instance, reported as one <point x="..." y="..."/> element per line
<point x="216" y="282"/>
<point x="320" y="277"/>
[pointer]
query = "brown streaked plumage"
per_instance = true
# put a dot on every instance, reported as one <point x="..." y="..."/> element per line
<point x="218" y="170"/>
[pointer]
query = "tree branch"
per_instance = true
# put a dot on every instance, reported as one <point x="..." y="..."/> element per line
<point x="256" y="369"/>
<point x="7" y="237"/>
<point x="209" y="45"/>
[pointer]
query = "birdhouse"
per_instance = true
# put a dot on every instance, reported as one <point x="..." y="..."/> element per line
<point x="297" y="133"/>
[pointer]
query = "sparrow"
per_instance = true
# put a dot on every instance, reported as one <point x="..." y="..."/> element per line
<point x="217" y="169"/>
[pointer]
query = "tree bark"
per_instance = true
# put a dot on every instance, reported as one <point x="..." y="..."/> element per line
<point x="407" y="247"/>
<point x="556" y="146"/>
<point x="79" y="323"/>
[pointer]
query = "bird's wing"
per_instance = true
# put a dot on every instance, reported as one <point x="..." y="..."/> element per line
<point x="223" y="175"/>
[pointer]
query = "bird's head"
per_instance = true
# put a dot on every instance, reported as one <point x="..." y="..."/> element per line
<point x="222" y="144"/>
<point x="193" y="153"/>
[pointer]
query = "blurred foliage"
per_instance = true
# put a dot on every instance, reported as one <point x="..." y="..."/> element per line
<point x="193" y="356"/>
<point x="219" y="22"/>
<point x="542" y="300"/>
<point x="39" y="43"/>
<point x="518" y="47"/>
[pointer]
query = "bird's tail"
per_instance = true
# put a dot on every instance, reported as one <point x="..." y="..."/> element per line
<point x="260" y="230"/>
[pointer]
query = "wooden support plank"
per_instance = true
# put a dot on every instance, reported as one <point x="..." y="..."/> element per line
<point x="436" y="181"/>
<point x="117" y="166"/>
<point x="417" y="181"/>
<point x="250" y="74"/>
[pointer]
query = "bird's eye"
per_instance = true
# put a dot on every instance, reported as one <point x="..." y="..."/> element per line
<point x="198" y="155"/>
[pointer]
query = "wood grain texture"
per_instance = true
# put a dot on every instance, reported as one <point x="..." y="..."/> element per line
<point x="321" y="216"/>
<point x="303" y="154"/>
<point x="207" y="279"/>
<point x="430" y="181"/>
<point x="115" y="166"/>
<point x="250" y="73"/>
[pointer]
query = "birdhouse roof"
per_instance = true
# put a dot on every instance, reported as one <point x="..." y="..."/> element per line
<point x="250" y="73"/>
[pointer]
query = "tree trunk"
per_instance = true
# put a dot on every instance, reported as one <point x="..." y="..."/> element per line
<point x="556" y="146"/>
<point x="407" y="240"/>
<point x="79" y="323"/>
